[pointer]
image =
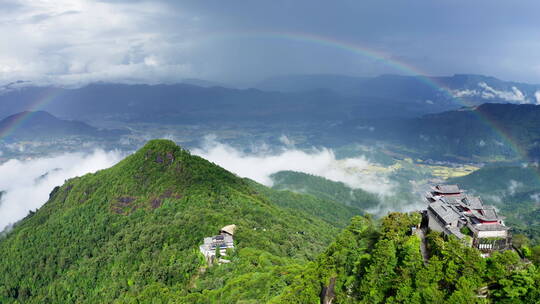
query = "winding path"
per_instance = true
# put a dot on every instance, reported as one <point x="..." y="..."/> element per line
<point x="423" y="250"/>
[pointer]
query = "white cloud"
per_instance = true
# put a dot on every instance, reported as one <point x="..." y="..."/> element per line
<point x="537" y="97"/>
<point x="284" y="139"/>
<point x="488" y="92"/>
<point x="492" y="198"/>
<point x="364" y="128"/>
<point x="513" y="95"/>
<point x="77" y="41"/>
<point x="464" y="93"/>
<point x="513" y="186"/>
<point x="322" y="162"/>
<point x="151" y="60"/>
<point x="28" y="183"/>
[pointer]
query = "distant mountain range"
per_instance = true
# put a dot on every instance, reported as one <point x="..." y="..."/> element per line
<point x="474" y="117"/>
<point x="347" y="85"/>
<point x="309" y="98"/>
<point x="43" y="125"/>
<point x="486" y="132"/>
<point x="181" y="103"/>
<point x="465" y="88"/>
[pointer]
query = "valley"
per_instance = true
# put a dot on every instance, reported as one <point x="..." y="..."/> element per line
<point x="312" y="197"/>
<point x="144" y="218"/>
<point x="280" y="152"/>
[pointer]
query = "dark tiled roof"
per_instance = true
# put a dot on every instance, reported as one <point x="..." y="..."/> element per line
<point x="445" y="212"/>
<point x="487" y="214"/>
<point x="448" y="188"/>
<point x="473" y="202"/>
<point x="455" y="231"/>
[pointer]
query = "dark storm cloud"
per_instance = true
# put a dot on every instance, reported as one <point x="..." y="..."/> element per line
<point x="241" y="41"/>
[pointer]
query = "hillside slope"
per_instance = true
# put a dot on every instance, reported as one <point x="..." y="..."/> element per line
<point x="131" y="233"/>
<point x="42" y="125"/>
<point x="489" y="132"/>
<point x="385" y="265"/>
<point x="324" y="188"/>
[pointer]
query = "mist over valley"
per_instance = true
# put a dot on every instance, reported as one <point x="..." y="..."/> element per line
<point x="269" y="152"/>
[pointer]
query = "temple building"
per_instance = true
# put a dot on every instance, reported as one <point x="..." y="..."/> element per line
<point x="453" y="212"/>
<point x="221" y="242"/>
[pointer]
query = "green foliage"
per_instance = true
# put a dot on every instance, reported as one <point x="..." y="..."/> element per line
<point x="344" y="259"/>
<point x="324" y="188"/>
<point x="131" y="232"/>
<point x="331" y="211"/>
<point x="391" y="269"/>
<point x="465" y="230"/>
<point x="396" y="225"/>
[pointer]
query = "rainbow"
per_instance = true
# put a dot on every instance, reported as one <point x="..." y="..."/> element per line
<point x="46" y="97"/>
<point x="379" y="56"/>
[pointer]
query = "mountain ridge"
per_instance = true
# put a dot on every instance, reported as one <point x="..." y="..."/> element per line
<point x="130" y="234"/>
<point x="305" y="97"/>
<point x="125" y="232"/>
<point x="42" y="124"/>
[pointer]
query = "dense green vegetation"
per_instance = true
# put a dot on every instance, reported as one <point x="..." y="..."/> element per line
<point x="324" y="188"/>
<point x="335" y="212"/>
<point x="130" y="234"/>
<point x="369" y="265"/>
<point x="376" y="204"/>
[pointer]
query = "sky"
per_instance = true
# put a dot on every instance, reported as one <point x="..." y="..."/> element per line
<point x="234" y="42"/>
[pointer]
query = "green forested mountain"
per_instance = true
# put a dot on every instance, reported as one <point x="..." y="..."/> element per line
<point x="488" y="132"/>
<point x="324" y="188"/>
<point x="43" y="125"/>
<point x="130" y="234"/>
<point x="385" y="265"/>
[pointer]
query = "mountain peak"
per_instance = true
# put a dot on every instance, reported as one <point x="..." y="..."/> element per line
<point x="160" y="145"/>
<point x="162" y="165"/>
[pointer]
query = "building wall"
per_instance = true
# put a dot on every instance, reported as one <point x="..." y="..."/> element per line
<point x="433" y="223"/>
<point x="496" y="233"/>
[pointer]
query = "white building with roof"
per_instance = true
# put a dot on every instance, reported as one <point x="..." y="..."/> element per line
<point x="453" y="212"/>
<point x="223" y="241"/>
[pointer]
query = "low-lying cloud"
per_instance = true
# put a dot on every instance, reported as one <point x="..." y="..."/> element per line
<point x="513" y="186"/>
<point x="513" y="95"/>
<point x="27" y="184"/>
<point x="261" y="164"/>
<point x="487" y="92"/>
